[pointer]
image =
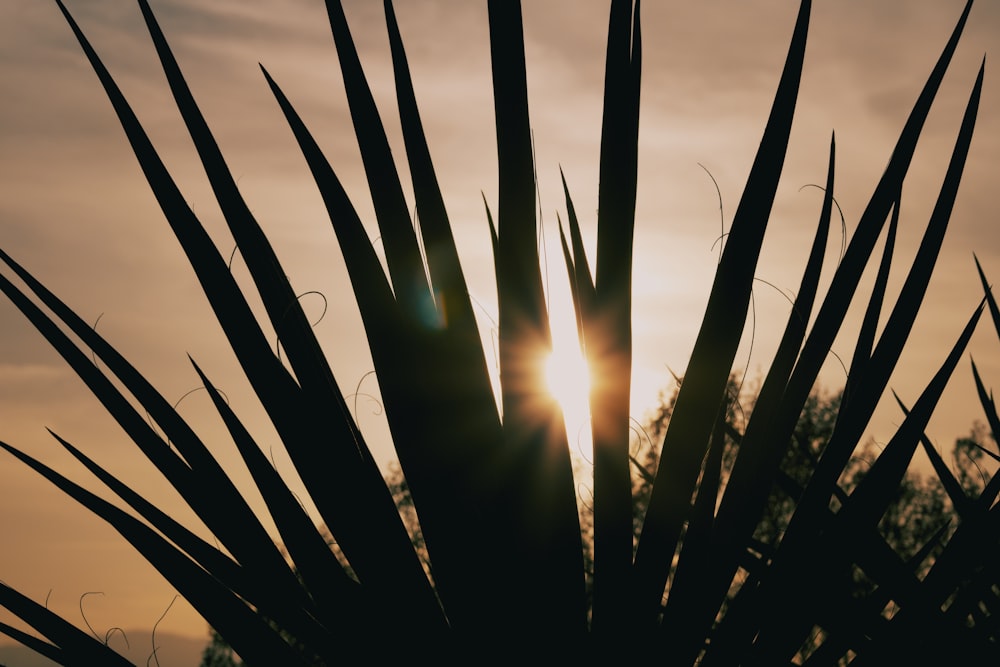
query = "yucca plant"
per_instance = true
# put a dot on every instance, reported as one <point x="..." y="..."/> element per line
<point x="491" y="476"/>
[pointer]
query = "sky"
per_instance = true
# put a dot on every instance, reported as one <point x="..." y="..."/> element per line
<point x="75" y="210"/>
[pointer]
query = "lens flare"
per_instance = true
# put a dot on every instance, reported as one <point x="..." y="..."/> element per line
<point x="568" y="381"/>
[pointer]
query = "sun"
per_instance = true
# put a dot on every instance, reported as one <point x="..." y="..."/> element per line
<point x="567" y="379"/>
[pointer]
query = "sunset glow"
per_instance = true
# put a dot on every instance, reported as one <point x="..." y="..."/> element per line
<point x="568" y="380"/>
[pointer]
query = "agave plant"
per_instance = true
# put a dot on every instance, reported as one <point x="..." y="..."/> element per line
<point x="481" y="465"/>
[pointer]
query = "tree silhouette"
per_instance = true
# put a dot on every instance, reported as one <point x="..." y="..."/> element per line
<point x="218" y="653"/>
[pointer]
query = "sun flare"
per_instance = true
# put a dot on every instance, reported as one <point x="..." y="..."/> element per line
<point x="567" y="379"/>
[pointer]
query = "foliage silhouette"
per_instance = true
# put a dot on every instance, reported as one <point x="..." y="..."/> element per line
<point x="503" y="466"/>
<point x="218" y="653"/>
<point x="920" y="509"/>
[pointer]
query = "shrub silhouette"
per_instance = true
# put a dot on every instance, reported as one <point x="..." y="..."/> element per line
<point x="479" y="468"/>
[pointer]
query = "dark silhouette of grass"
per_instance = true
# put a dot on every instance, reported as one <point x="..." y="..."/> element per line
<point x="493" y="486"/>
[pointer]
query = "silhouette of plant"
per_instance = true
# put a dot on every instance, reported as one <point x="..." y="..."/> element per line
<point x="478" y="467"/>
<point x="218" y="653"/>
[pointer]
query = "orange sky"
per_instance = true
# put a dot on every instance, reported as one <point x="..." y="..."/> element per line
<point x="75" y="210"/>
